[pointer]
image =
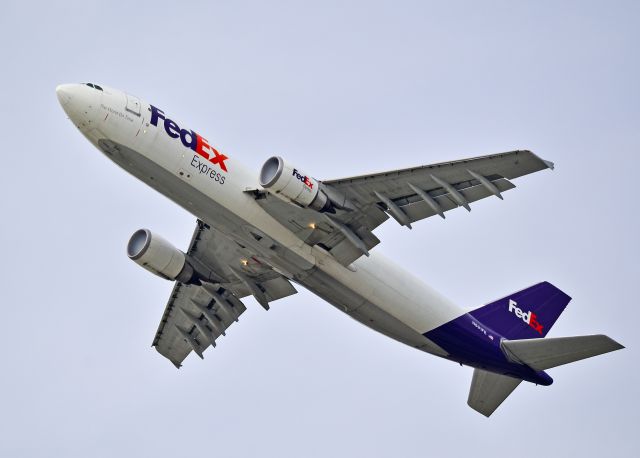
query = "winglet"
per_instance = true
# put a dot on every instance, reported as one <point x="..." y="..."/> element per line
<point x="549" y="164"/>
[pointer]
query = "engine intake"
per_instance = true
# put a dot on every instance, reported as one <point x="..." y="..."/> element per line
<point x="159" y="257"/>
<point x="282" y="178"/>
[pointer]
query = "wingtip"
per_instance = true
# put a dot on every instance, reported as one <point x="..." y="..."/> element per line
<point x="549" y="164"/>
<point x="615" y="345"/>
<point x="478" y="409"/>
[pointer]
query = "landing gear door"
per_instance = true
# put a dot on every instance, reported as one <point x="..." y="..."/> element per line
<point x="133" y="105"/>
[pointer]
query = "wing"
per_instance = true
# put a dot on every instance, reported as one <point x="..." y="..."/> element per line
<point x="196" y="315"/>
<point x="407" y="195"/>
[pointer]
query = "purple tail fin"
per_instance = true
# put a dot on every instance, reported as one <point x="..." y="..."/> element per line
<point x="527" y="314"/>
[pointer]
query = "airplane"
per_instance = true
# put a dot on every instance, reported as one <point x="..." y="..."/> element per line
<point x="257" y="234"/>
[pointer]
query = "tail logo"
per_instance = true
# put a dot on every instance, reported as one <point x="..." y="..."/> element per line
<point x="529" y="317"/>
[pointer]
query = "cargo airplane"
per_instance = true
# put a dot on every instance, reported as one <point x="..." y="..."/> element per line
<point x="258" y="234"/>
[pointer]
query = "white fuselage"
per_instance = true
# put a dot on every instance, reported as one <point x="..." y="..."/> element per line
<point x="372" y="290"/>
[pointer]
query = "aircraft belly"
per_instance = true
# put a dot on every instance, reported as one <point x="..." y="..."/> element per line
<point x="196" y="201"/>
<point x="394" y="290"/>
<point x="170" y="185"/>
<point x="360" y="309"/>
<point x="375" y="292"/>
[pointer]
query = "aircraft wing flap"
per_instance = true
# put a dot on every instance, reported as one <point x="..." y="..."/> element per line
<point x="277" y="288"/>
<point x="183" y="316"/>
<point x="197" y="315"/>
<point x="437" y="188"/>
<point x="417" y="209"/>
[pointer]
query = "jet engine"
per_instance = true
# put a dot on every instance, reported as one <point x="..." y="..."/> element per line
<point x="282" y="178"/>
<point x="159" y="257"/>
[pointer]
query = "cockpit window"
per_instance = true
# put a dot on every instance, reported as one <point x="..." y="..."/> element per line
<point x="95" y="86"/>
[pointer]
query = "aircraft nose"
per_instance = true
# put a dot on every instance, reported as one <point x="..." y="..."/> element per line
<point x="79" y="103"/>
<point x="64" y="94"/>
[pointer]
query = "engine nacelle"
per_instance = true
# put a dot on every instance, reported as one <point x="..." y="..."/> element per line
<point x="281" y="178"/>
<point x="159" y="257"/>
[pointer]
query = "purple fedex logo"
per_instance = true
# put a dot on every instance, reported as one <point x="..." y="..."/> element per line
<point x="189" y="139"/>
<point x="529" y="317"/>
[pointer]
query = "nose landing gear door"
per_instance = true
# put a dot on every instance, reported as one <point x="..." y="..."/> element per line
<point x="133" y="105"/>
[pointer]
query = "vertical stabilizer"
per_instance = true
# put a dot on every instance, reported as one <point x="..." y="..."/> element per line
<point x="526" y="314"/>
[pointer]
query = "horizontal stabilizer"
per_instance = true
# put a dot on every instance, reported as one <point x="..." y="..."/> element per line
<point x="488" y="390"/>
<point x="541" y="354"/>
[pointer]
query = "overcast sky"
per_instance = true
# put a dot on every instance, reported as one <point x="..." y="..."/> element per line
<point x="337" y="88"/>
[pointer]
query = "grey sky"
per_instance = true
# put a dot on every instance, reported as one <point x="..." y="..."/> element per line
<point x="338" y="88"/>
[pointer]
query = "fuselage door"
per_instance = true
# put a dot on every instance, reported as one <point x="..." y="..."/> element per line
<point x="133" y="105"/>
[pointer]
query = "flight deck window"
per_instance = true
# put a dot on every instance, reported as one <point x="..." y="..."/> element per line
<point x="94" y="86"/>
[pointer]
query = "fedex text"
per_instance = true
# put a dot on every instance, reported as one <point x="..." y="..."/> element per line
<point x="189" y="139"/>
<point x="305" y="179"/>
<point x="529" y="317"/>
